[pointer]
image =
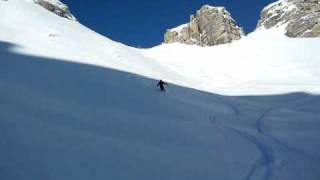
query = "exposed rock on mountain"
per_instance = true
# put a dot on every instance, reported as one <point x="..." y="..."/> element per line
<point x="210" y="26"/>
<point x="56" y="7"/>
<point x="301" y="16"/>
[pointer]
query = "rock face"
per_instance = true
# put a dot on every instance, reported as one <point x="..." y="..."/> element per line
<point x="210" y="26"/>
<point x="56" y="7"/>
<point x="301" y="16"/>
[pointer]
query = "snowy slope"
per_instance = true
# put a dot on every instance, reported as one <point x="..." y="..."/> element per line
<point x="42" y="33"/>
<point x="63" y="120"/>
<point x="76" y="105"/>
<point x="265" y="62"/>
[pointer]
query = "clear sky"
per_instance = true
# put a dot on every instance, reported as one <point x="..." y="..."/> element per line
<point x="142" y="23"/>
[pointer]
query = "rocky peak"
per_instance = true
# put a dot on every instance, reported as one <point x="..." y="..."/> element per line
<point x="301" y="17"/>
<point x="208" y="27"/>
<point x="56" y="7"/>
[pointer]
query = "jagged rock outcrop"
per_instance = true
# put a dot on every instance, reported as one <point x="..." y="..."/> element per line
<point x="210" y="26"/>
<point x="56" y="7"/>
<point x="302" y="17"/>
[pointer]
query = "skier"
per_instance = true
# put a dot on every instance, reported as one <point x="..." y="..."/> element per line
<point x="161" y="85"/>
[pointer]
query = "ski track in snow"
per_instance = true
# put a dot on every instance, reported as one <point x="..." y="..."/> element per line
<point x="229" y="104"/>
<point x="213" y="121"/>
<point x="266" y="160"/>
<point x="268" y="146"/>
<point x="272" y="160"/>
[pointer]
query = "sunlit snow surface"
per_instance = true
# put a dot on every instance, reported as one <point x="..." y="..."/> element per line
<point x="264" y="62"/>
<point x="76" y="105"/>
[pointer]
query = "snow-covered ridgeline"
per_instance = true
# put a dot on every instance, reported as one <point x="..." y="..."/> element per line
<point x="301" y="18"/>
<point x="56" y="7"/>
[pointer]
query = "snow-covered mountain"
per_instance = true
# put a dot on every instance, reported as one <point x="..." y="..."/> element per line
<point x="77" y="105"/>
<point x="56" y="7"/>
<point x="301" y="17"/>
<point x="208" y="27"/>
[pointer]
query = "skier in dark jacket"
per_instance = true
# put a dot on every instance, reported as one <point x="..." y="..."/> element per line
<point x="161" y="85"/>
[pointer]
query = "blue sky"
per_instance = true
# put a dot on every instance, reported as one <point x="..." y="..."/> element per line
<point x="142" y="23"/>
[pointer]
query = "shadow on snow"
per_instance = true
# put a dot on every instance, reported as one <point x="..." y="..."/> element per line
<point x="64" y="120"/>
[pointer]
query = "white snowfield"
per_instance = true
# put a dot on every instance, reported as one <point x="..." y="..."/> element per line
<point x="77" y="105"/>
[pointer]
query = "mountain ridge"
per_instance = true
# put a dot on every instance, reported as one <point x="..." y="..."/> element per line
<point x="301" y="19"/>
<point x="208" y="27"/>
<point x="57" y="7"/>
